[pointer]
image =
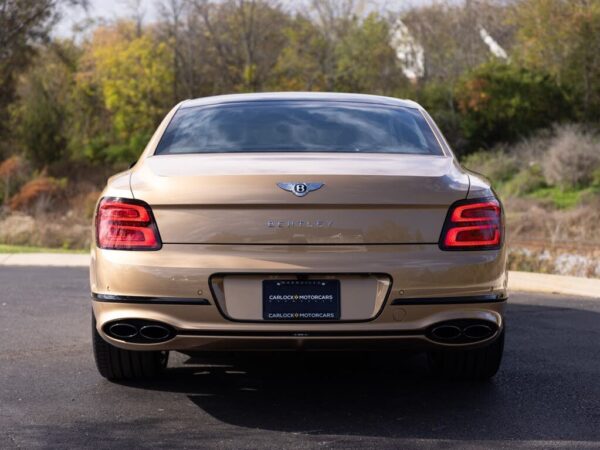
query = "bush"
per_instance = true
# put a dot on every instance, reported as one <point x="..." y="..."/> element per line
<point x="38" y="194"/>
<point x="525" y="260"/>
<point x="500" y="102"/>
<point x="526" y="181"/>
<point x="12" y="170"/>
<point x="533" y="149"/>
<point x="499" y="166"/>
<point x="88" y="205"/>
<point x="596" y="179"/>
<point x="56" y="231"/>
<point x="560" y="198"/>
<point x="573" y="158"/>
<point x="438" y="99"/>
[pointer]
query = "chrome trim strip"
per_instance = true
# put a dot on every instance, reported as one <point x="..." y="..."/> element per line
<point x="149" y="300"/>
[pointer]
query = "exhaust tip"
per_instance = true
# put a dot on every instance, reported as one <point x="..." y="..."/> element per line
<point x="478" y="331"/>
<point x="139" y="331"/>
<point x="446" y="332"/>
<point x="123" y="330"/>
<point x="462" y="331"/>
<point x="155" y="332"/>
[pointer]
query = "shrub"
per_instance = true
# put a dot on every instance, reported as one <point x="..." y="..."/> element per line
<point x="533" y="149"/>
<point x="560" y="198"/>
<point x="526" y="181"/>
<point x="38" y="194"/>
<point x="499" y="166"/>
<point x="66" y="231"/>
<point x="526" y="260"/>
<point x="596" y="179"/>
<point x="438" y="99"/>
<point x="573" y="158"/>
<point x="500" y="102"/>
<point x="10" y="167"/>
<point x="122" y="154"/>
<point x="11" y="170"/>
<point x="89" y="204"/>
<point x="17" y="229"/>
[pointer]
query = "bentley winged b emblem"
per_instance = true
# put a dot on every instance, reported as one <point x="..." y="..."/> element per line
<point x="300" y="189"/>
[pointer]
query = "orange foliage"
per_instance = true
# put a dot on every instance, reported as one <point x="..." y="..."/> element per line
<point x="35" y="189"/>
<point x="475" y="96"/>
<point x="11" y="167"/>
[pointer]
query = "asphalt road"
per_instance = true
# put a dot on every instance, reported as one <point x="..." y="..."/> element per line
<point x="547" y="394"/>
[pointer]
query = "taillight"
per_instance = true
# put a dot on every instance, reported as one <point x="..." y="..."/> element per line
<point x="123" y="224"/>
<point x="473" y="225"/>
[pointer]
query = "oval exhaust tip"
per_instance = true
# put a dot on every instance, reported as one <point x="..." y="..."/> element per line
<point x="478" y="331"/>
<point x="446" y="332"/>
<point x="123" y="330"/>
<point x="155" y="332"/>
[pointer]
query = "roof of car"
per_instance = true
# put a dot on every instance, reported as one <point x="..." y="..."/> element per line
<point x="297" y="96"/>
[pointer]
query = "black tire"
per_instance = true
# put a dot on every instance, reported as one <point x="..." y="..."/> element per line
<point x="468" y="364"/>
<point x="117" y="364"/>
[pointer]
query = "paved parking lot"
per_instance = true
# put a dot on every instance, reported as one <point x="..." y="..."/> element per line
<point x="547" y="394"/>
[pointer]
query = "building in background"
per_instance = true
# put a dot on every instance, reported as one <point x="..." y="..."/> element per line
<point x="411" y="53"/>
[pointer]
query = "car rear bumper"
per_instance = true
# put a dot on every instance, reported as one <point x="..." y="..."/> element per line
<point x="199" y="327"/>
<point x="180" y="287"/>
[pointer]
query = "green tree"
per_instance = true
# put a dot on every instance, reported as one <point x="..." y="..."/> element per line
<point x="23" y="23"/>
<point x="501" y="102"/>
<point x="342" y="52"/>
<point x="562" y="38"/>
<point x="301" y="64"/>
<point x="438" y="98"/>
<point x="134" y="74"/>
<point x="40" y="116"/>
<point x="365" y="60"/>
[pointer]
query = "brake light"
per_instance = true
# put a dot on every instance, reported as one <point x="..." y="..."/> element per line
<point x="473" y="225"/>
<point x="123" y="224"/>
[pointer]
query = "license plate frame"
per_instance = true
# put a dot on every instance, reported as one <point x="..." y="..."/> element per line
<point x="301" y="300"/>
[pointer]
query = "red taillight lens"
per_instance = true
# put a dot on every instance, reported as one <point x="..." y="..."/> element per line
<point x="473" y="225"/>
<point x="123" y="224"/>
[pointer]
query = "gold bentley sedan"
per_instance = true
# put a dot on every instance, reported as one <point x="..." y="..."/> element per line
<point x="298" y="221"/>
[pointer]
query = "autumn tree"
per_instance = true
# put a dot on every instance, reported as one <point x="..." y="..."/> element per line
<point x="23" y="24"/>
<point x="366" y="62"/>
<point x="195" y="73"/>
<point x="339" y="49"/>
<point x="246" y="38"/>
<point x="449" y="34"/>
<point x="499" y="102"/>
<point x="562" y="38"/>
<point x="302" y="63"/>
<point x="335" y="21"/>
<point x="135" y="78"/>
<point x="40" y="116"/>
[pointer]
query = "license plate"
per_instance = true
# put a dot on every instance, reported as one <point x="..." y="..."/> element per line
<point x="301" y="299"/>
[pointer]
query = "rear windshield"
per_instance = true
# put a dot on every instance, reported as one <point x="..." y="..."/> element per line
<point x="297" y="126"/>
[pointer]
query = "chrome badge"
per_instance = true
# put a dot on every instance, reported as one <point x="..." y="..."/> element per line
<point x="300" y="189"/>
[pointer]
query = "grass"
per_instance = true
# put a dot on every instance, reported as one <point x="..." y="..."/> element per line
<point x="561" y="198"/>
<point x="24" y="249"/>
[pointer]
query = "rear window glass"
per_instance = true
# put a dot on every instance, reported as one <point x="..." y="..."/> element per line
<point x="297" y="126"/>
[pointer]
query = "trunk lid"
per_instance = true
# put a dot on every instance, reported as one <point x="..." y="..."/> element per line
<point x="235" y="198"/>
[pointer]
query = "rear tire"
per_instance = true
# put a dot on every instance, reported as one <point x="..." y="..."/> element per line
<point x="117" y="364"/>
<point x="468" y="364"/>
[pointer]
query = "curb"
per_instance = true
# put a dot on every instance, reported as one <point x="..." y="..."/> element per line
<point x="45" y="259"/>
<point x="517" y="281"/>
<point x="554" y="284"/>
